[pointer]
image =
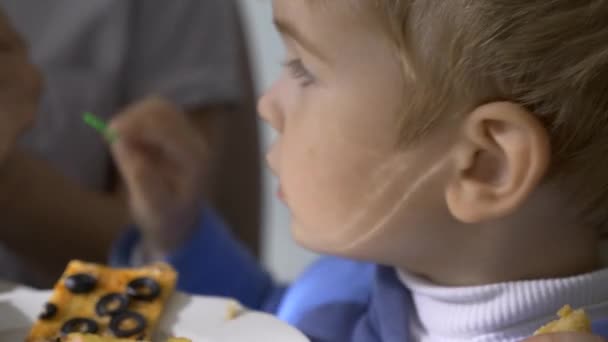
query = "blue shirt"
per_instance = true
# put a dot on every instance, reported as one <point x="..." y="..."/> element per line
<point x="334" y="300"/>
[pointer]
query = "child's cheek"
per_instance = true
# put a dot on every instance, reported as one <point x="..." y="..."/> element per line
<point x="329" y="187"/>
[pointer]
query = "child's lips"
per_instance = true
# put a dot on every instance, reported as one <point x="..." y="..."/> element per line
<point x="273" y="170"/>
<point x="280" y="194"/>
<point x="271" y="166"/>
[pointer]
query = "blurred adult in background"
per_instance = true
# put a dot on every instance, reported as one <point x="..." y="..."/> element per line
<point x="60" y="195"/>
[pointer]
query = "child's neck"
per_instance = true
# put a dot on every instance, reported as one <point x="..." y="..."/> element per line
<point x="525" y="246"/>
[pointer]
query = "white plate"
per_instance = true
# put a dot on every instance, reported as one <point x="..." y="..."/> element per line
<point x="202" y="319"/>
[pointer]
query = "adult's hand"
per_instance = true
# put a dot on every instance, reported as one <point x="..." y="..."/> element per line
<point x="162" y="158"/>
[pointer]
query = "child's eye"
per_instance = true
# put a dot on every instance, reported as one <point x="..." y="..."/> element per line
<point x="298" y="71"/>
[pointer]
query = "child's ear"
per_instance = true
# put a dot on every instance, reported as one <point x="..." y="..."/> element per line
<point x="502" y="154"/>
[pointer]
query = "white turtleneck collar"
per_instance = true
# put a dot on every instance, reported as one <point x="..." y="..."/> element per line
<point x="500" y="312"/>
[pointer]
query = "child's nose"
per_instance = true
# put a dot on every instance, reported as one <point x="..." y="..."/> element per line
<point x="269" y="111"/>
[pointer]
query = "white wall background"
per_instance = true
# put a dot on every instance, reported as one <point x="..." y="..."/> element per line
<point x="280" y="254"/>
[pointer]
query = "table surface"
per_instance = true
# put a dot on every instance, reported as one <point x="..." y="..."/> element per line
<point x="6" y="286"/>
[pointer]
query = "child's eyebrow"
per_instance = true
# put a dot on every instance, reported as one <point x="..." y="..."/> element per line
<point x="287" y="29"/>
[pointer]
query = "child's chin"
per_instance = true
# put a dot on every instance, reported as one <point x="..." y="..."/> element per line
<point x="302" y="237"/>
<point x="315" y="241"/>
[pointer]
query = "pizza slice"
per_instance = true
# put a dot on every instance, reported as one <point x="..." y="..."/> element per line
<point x="109" y="302"/>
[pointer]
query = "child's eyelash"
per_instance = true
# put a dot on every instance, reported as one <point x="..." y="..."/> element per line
<point x="298" y="71"/>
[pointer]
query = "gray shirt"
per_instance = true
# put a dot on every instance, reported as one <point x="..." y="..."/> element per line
<point x="99" y="55"/>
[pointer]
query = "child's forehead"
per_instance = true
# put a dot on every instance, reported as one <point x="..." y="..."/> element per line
<point x="338" y="17"/>
<point x="325" y="9"/>
<point x="332" y="30"/>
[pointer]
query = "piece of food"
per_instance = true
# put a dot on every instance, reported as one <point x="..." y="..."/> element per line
<point x="234" y="310"/>
<point x="107" y="302"/>
<point x="569" y="321"/>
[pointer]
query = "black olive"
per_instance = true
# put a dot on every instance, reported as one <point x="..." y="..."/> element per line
<point x="80" y="325"/>
<point x="80" y="283"/>
<point x="112" y="304"/>
<point x="146" y="289"/>
<point x="50" y="310"/>
<point x="116" y="324"/>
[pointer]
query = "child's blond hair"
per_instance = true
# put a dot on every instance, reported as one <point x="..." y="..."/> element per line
<point x="550" y="56"/>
